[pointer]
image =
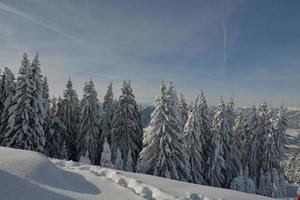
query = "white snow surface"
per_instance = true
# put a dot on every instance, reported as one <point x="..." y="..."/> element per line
<point x="30" y="175"/>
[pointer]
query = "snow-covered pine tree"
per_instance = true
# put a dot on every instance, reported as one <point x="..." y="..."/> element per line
<point x="269" y="157"/>
<point x="40" y="94"/>
<point x="242" y="129"/>
<point x="261" y="143"/>
<point x="130" y="166"/>
<point x="262" y="184"/>
<point x="119" y="164"/>
<point x="243" y="183"/>
<point x="269" y="183"/>
<point x="70" y="115"/>
<point x="205" y="128"/>
<point x="238" y="183"/>
<point x="88" y="132"/>
<point x="85" y="159"/>
<point x="106" y="155"/>
<point x="8" y="92"/>
<point x="127" y="129"/>
<point x="250" y="183"/>
<point x="217" y="168"/>
<point x="276" y="192"/>
<point x="53" y="107"/>
<point x="59" y="112"/>
<point x="2" y="91"/>
<point x="107" y="116"/>
<point x="183" y="109"/>
<point x="162" y="154"/>
<point x="234" y="157"/>
<point x="56" y="139"/>
<point x="25" y="130"/>
<point x="194" y="141"/>
<point x="280" y="126"/>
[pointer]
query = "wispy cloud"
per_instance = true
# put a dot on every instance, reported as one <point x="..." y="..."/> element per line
<point x="36" y="20"/>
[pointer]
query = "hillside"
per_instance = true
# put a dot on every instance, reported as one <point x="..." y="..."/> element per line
<point x="30" y="175"/>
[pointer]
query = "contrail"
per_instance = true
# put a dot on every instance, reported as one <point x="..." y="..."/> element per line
<point x="224" y="48"/>
<point x="15" y="11"/>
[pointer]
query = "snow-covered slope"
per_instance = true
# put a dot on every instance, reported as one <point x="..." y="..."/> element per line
<point x="30" y="175"/>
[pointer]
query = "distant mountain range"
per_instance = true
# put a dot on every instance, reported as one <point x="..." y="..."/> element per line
<point x="292" y="114"/>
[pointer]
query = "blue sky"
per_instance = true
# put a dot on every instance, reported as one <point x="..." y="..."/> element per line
<point x="246" y="49"/>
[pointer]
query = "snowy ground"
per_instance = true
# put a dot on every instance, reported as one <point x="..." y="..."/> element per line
<point x="293" y="139"/>
<point x="30" y="175"/>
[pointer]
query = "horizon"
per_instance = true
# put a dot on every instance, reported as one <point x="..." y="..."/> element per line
<point x="245" y="49"/>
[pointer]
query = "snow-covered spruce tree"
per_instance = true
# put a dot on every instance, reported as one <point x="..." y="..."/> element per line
<point x="56" y="139"/>
<point x="70" y="115"/>
<point x="276" y="192"/>
<point x="85" y="159"/>
<point x="53" y="106"/>
<point x="25" y="124"/>
<point x="261" y="144"/>
<point x="130" y="166"/>
<point x="205" y="128"/>
<point x="163" y="154"/>
<point x="239" y="183"/>
<point x="107" y="116"/>
<point x="8" y="91"/>
<point x="243" y="183"/>
<point x="269" y="184"/>
<point x="242" y="129"/>
<point x="280" y="126"/>
<point x="262" y="184"/>
<point x="127" y="129"/>
<point x="88" y="132"/>
<point x="250" y="183"/>
<point x="197" y="136"/>
<point x="269" y="157"/>
<point x="234" y="157"/>
<point x="106" y="155"/>
<point x="183" y="109"/>
<point x="59" y="112"/>
<point x="220" y="142"/>
<point x="119" y="164"/>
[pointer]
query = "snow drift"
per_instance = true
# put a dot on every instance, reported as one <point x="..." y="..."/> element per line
<point x="30" y="175"/>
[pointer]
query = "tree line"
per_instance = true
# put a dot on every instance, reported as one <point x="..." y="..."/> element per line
<point x="182" y="142"/>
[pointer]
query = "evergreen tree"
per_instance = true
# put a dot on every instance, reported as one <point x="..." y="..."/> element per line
<point x="56" y="139"/>
<point x="70" y="115"/>
<point x="119" y="161"/>
<point x="162" y="154"/>
<point x="85" y="159"/>
<point x="127" y="129"/>
<point x="269" y="184"/>
<point x="261" y="145"/>
<point x="106" y="155"/>
<point x="205" y="128"/>
<point x="242" y="131"/>
<point x="8" y="91"/>
<point x="53" y="107"/>
<point x="59" y="112"/>
<point x="25" y="130"/>
<point x="107" y="116"/>
<point x="129" y="163"/>
<point x="195" y="143"/>
<point x="220" y="142"/>
<point x="88" y="132"/>
<point x="234" y="156"/>
<point x="183" y="109"/>
<point x="280" y="126"/>
<point x="262" y="184"/>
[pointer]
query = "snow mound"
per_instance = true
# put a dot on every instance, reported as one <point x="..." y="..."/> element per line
<point x="30" y="175"/>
